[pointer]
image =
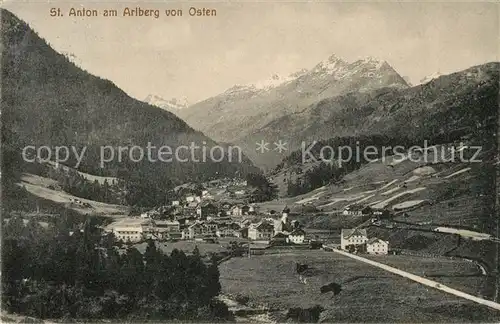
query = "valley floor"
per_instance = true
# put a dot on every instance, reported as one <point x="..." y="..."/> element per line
<point x="369" y="294"/>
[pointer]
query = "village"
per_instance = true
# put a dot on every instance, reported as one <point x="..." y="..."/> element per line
<point x="203" y="219"/>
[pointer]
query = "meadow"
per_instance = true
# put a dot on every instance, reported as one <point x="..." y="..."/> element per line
<point x="368" y="294"/>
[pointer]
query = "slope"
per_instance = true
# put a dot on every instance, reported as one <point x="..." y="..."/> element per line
<point x="447" y="107"/>
<point x="47" y="100"/>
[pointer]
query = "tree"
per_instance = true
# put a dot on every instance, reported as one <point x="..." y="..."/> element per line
<point x="264" y="190"/>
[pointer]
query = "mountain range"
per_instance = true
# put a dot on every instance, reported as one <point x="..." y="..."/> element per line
<point x="243" y="109"/>
<point x="338" y="98"/>
<point x="449" y="105"/>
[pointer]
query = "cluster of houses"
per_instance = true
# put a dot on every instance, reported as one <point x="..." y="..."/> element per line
<point x="356" y="240"/>
<point x="139" y="229"/>
<point x="280" y="230"/>
<point x="202" y="207"/>
<point x="194" y="217"/>
<point x="277" y="230"/>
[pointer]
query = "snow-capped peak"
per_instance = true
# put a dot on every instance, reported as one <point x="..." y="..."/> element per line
<point x="331" y="65"/>
<point x="298" y="73"/>
<point x="430" y="77"/>
<point x="264" y="85"/>
<point x="171" y="104"/>
<point x="272" y="82"/>
<point x="372" y="59"/>
<point x="372" y="62"/>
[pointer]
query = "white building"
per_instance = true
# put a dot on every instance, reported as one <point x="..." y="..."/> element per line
<point x="236" y="211"/>
<point x="190" y="199"/>
<point x="130" y="229"/>
<point x="356" y="210"/>
<point x="377" y="246"/>
<point x="354" y="236"/>
<point x="129" y="233"/>
<point x="175" y="203"/>
<point x="297" y="236"/>
<point x="260" y="231"/>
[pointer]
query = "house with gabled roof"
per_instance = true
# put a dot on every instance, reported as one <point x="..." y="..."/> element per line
<point x="206" y="209"/>
<point x="231" y="229"/>
<point x="236" y="210"/>
<point x="260" y="231"/>
<point x="279" y="238"/>
<point x="377" y="246"/>
<point x="196" y="230"/>
<point x="297" y="236"/>
<point x="355" y="236"/>
<point x="211" y="226"/>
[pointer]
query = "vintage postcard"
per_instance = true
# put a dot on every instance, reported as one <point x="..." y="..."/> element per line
<point x="250" y="161"/>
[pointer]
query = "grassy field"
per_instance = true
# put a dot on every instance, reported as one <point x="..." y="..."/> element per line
<point x="368" y="294"/>
<point x="422" y="266"/>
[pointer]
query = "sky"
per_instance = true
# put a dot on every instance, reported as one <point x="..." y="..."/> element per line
<point x="199" y="57"/>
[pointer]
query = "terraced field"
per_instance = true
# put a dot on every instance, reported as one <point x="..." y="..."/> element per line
<point x="435" y="191"/>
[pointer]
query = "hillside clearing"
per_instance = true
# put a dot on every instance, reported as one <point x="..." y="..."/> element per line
<point x="407" y="204"/>
<point x="384" y="203"/>
<point x="61" y="197"/>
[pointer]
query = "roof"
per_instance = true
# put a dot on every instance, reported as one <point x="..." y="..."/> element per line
<point x="234" y="225"/>
<point x="166" y="222"/>
<point x="207" y="204"/>
<point x="280" y="235"/>
<point x="348" y="232"/>
<point x="298" y="231"/>
<point x="265" y="224"/>
<point x="197" y="224"/>
<point x="376" y="240"/>
<point x="129" y="222"/>
<point x="258" y="246"/>
<point x="261" y="225"/>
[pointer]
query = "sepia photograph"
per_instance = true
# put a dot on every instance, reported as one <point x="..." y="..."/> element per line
<point x="249" y="161"/>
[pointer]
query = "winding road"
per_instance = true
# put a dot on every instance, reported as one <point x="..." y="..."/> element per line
<point x="419" y="279"/>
